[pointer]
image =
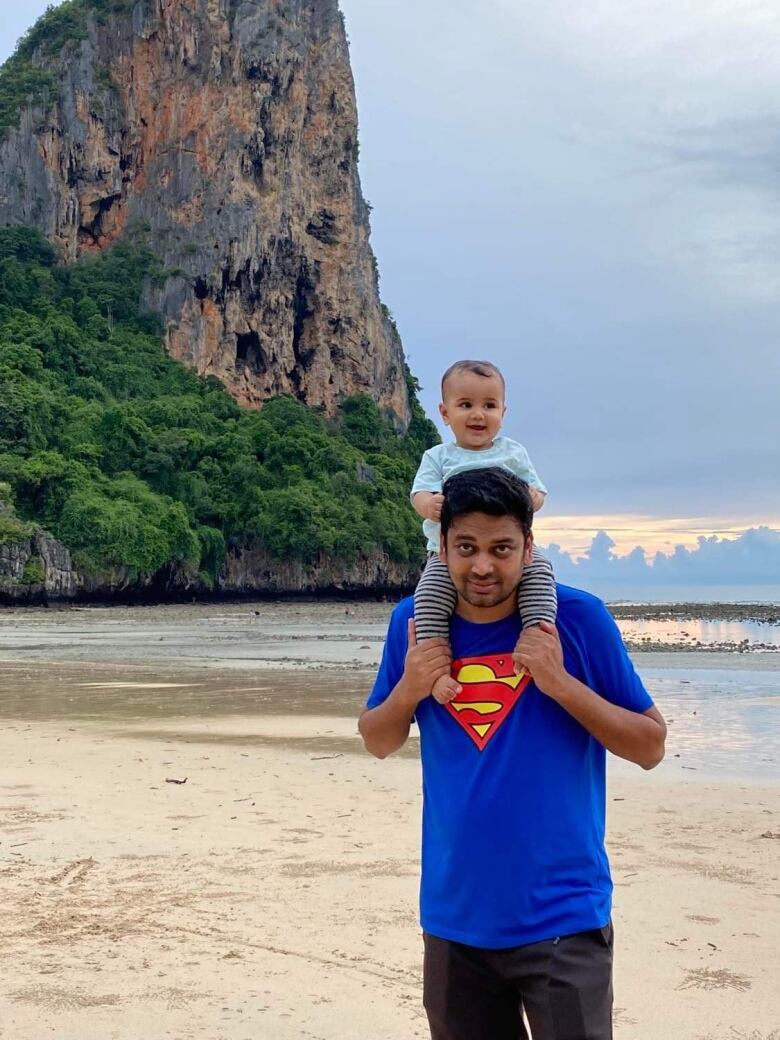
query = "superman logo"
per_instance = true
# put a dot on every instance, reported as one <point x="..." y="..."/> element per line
<point x="490" y="689"/>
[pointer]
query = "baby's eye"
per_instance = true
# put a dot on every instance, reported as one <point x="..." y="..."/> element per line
<point x="465" y="404"/>
<point x="491" y="404"/>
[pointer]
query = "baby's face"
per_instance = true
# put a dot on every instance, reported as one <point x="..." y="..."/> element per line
<point x="473" y="407"/>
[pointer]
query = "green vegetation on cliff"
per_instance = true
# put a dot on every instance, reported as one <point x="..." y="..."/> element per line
<point x="135" y="462"/>
<point x="26" y="78"/>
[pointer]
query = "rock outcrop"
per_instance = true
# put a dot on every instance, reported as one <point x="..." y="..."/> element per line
<point x="39" y="569"/>
<point x="225" y="131"/>
<point x="248" y="571"/>
<point x="36" y="568"/>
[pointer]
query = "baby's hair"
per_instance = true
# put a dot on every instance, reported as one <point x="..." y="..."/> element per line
<point x="479" y="368"/>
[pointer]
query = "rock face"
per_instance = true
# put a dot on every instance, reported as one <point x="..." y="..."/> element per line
<point x="249" y="572"/>
<point x="38" y="569"/>
<point x="225" y="131"/>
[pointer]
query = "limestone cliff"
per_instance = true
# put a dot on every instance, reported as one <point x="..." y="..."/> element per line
<point x="225" y="130"/>
<point x="33" y="565"/>
<point x="37" y="569"/>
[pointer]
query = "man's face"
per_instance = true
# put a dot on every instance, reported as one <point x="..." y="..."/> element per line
<point x="485" y="556"/>
<point x="473" y="407"/>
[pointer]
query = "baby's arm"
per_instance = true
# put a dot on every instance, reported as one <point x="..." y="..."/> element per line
<point x="427" y="504"/>
<point x="434" y="604"/>
<point x="519" y="463"/>
<point x="427" y="498"/>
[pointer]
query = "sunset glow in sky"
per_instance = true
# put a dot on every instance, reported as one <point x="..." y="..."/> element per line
<point x="575" y="533"/>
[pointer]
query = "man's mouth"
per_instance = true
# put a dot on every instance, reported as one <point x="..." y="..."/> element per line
<point x="482" y="586"/>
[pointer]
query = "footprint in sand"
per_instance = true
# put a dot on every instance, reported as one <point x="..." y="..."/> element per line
<point x="56" y="998"/>
<point x="714" y="978"/>
<point x="73" y="873"/>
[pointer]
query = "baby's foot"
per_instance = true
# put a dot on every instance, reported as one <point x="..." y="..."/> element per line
<point x="445" y="689"/>
<point x="520" y="668"/>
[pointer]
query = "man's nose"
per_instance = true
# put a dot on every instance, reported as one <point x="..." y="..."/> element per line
<point x="482" y="564"/>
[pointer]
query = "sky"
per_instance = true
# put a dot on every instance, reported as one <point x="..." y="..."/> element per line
<point x="589" y="196"/>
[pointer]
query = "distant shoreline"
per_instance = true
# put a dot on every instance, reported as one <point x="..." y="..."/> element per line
<point x="764" y="613"/>
<point x="337" y="633"/>
<point x="684" y="610"/>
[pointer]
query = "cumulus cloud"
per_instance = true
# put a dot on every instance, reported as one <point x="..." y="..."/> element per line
<point x="751" y="559"/>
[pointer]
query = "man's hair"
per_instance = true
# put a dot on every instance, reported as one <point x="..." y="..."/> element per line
<point x="479" y="368"/>
<point x="491" y="490"/>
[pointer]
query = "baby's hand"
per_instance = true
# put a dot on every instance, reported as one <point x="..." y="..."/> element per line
<point x="434" y="507"/>
<point x="537" y="498"/>
<point x="445" y="689"/>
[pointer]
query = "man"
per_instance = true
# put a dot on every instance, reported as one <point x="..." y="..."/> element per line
<point x="515" y="896"/>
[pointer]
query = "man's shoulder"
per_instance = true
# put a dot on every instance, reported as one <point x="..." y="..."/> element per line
<point x="403" y="611"/>
<point x="579" y="606"/>
<point x="398" y="626"/>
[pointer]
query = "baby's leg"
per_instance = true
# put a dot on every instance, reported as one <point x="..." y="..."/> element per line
<point x="434" y="601"/>
<point x="536" y="594"/>
<point x="434" y="604"/>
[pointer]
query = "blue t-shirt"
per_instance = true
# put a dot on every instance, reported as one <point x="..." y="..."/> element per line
<point x="514" y="788"/>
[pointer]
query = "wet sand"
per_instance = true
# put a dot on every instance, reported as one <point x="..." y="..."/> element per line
<point x="324" y="635"/>
<point x="273" y="892"/>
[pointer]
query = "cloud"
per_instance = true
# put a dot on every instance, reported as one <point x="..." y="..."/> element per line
<point x="679" y="100"/>
<point x="587" y="194"/>
<point x="751" y="559"/>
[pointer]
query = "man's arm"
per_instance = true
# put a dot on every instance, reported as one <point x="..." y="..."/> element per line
<point x="385" y="728"/>
<point x="637" y="736"/>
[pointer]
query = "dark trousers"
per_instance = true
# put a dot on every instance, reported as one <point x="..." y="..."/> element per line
<point x="563" y="985"/>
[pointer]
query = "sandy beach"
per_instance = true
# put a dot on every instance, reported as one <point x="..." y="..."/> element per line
<point x="195" y="845"/>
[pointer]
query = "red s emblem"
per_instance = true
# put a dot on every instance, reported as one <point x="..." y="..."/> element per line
<point x="491" y="688"/>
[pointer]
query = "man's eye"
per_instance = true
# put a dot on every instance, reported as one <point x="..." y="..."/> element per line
<point x="465" y="550"/>
<point x="503" y="550"/>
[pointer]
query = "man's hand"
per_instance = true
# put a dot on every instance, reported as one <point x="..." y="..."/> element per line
<point x="539" y="651"/>
<point x="385" y="728"/>
<point x="425" y="663"/>
<point x="433" y="508"/>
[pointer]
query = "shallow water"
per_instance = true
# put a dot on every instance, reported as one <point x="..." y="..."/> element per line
<point x="724" y="723"/>
<point x="747" y="634"/>
<point x="298" y="675"/>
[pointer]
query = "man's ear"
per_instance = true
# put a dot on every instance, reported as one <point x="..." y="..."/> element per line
<point x="443" y="414"/>
<point x="442" y="549"/>
<point x="528" y="551"/>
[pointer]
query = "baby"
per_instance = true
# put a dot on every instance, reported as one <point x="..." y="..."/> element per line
<point x="473" y="407"/>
